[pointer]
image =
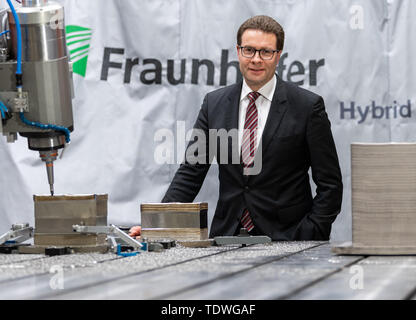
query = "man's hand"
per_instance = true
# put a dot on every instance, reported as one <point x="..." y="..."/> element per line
<point x="135" y="231"/>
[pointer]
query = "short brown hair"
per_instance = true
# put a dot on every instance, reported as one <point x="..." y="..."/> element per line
<point x="265" y="24"/>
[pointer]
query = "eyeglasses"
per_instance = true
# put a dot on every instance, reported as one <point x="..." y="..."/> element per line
<point x="265" y="54"/>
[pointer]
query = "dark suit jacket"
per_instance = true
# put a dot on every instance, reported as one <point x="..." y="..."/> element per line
<point x="297" y="136"/>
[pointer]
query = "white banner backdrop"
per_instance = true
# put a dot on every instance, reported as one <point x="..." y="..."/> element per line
<point x="146" y="66"/>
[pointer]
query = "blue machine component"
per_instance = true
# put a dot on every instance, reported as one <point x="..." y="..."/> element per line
<point x="126" y="254"/>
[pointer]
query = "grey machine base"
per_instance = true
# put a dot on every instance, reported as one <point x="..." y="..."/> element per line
<point x="280" y="270"/>
<point x="349" y="248"/>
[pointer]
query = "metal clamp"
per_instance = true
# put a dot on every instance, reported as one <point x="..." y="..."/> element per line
<point x="110" y="230"/>
<point x="19" y="233"/>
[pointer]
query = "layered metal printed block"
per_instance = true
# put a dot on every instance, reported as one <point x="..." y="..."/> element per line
<point x="178" y="221"/>
<point x="384" y="194"/>
<point x="55" y="216"/>
<point x="383" y="182"/>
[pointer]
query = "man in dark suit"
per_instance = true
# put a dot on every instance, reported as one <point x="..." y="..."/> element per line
<point x="286" y="129"/>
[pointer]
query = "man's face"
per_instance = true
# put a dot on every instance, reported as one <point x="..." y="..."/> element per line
<point x="256" y="71"/>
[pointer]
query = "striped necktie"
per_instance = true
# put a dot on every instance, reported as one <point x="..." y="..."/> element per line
<point x="248" y="147"/>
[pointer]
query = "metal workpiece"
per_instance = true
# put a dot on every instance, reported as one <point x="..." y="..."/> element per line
<point x="56" y="215"/>
<point x="174" y="215"/>
<point x="174" y="219"/>
<point x="178" y="221"/>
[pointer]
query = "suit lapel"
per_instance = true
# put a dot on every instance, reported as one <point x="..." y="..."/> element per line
<point x="233" y="107"/>
<point x="232" y="116"/>
<point x="277" y="110"/>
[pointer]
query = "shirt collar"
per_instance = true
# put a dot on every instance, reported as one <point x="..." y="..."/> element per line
<point x="267" y="91"/>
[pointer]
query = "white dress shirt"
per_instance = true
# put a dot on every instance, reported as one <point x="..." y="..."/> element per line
<point x="263" y="104"/>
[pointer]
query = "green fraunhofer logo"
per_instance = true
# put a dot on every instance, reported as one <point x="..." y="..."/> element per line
<point x="78" y="41"/>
